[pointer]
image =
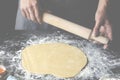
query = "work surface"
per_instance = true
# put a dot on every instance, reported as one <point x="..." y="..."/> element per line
<point x="101" y="62"/>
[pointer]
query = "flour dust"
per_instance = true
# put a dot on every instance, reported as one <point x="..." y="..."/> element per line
<point x="100" y="62"/>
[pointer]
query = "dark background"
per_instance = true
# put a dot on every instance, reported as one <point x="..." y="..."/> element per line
<point x="8" y="9"/>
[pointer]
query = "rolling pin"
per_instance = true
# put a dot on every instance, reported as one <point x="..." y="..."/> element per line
<point x="72" y="28"/>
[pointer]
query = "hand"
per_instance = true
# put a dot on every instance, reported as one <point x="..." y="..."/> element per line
<point x="30" y="10"/>
<point x="102" y="26"/>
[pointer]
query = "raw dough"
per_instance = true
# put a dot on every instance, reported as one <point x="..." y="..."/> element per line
<point x="58" y="59"/>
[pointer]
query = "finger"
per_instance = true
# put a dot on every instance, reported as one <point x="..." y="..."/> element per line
<point x="105" y="46"/>
<point x="23" y="13"/>
<point x="102" y="31"/>
<point x="37" y="14"/>
<point x="96" y="28"/>
<point x="27" y="14"/>
<point x="32" y="15"/>
<point x="109" y="31"/>
<point x="110" y="36"/>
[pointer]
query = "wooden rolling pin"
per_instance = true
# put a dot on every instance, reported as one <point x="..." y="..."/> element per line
<point x="72" y="28"/>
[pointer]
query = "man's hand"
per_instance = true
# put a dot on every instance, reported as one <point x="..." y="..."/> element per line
<point x="30" y="10"/>
<point x="102" y="24"/>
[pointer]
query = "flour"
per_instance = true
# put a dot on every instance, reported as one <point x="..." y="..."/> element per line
<point x="100" y="62"/>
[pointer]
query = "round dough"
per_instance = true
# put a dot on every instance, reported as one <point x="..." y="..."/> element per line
<point x="58" y="59"/>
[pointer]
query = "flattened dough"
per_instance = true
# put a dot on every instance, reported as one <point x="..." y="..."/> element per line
<point x="58" y="59"/>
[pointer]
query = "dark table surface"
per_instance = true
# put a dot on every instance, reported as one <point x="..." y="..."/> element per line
<point x="11" y="42"/>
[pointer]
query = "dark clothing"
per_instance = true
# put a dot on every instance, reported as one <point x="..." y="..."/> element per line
<point x="79" y="11"/>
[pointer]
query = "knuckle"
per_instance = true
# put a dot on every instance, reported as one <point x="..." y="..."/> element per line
<point x="22" y="8"/>
<point x="34" y="3"/>
<point x="28" y="6"/>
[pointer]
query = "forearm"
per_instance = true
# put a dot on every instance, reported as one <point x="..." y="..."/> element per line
<point x="102" y="4"/>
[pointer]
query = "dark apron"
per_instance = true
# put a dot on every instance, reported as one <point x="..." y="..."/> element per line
<point x="79" y="11"/>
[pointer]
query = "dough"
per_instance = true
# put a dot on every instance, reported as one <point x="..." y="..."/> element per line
<point x="58" y="59"/>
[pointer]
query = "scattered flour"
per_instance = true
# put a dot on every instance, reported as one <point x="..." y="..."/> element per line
<point x="100" y="62"/>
